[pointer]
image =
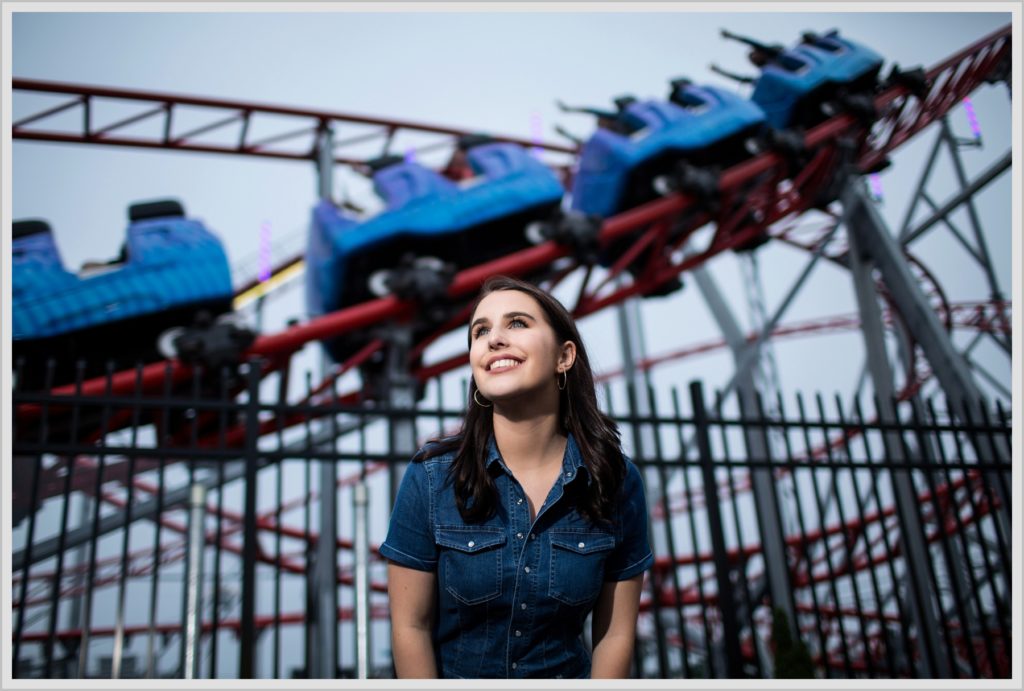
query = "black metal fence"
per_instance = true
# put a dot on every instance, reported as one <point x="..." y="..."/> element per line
<point x="187" y="532"/>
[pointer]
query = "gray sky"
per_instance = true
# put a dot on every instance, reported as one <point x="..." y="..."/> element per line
<point x="487" y="71"/>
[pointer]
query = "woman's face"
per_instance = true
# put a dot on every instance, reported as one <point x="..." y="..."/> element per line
<point x="513" y="350"/>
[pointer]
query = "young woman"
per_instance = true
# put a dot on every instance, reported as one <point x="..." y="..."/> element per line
<point x="505" y="537"/>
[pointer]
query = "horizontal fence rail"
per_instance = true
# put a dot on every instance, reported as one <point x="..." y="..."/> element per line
<point x="192" y="533"/>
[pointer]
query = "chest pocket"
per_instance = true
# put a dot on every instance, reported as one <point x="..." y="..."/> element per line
<point x="471" y="560"/>
<point x="577" y="565"/>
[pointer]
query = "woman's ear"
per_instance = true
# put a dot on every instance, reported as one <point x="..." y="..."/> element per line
<point x="567" y="358"/>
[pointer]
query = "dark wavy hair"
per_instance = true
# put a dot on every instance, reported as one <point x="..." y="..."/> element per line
<point x="595" y="433"/>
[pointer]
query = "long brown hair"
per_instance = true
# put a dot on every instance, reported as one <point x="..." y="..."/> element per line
<point x="595" y="433"/>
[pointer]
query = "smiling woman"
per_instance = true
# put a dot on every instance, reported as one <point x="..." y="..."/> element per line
<point x="505" y="537"/>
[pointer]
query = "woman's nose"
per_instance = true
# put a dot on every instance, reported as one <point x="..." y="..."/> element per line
<point x="496" y="339"/>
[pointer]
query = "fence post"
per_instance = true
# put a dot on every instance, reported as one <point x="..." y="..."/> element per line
<point x="247" y="634"/>
<point x="723" y="571"/>
<point x="194" y="591"/>
<point x="360" y="500"/>
<point x="325" y="653"/>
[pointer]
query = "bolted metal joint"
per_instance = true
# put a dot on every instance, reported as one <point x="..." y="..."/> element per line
<point x="423" y="279"/>
<point x="572" y="229"/>
<point x="914" y="80"/>
<point x="860" y="105"/>
<point x="789" y="143"/>
<point x="700" y="182"/>
<point x="208" y="342"/>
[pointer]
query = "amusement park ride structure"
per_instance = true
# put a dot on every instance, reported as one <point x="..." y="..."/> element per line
<point x="754" y="200"/>
<point x="755" y="197"/>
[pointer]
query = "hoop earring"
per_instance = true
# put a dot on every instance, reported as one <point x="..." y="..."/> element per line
<point x="565" y="380"/>
<point x="477" y="400"/>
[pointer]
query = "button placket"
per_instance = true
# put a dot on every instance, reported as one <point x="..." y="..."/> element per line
<point x="526" y="589"/>
<point x="522" y="519"/>
<point x="523" y="614"/>
<point x="528" y="580"/>
<point x="520" y="515"/>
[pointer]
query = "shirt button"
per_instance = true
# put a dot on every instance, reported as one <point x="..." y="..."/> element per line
<point x="533" y="536"/>
<point x="470" y="543"/>
<point x="522" y="606"/>
<point x="520" y="500"/>
<point x="519" y="535"/>
<point x="582" y="545"/>
<point x="518" y="633"/>
<point x="514" y="665"/>
<point x="527" y="569"/>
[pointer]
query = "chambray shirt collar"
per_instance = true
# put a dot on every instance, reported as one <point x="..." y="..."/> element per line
<point x="572" y="461"/>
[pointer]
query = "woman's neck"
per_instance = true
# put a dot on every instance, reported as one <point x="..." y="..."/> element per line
<point x="529" y="444"/>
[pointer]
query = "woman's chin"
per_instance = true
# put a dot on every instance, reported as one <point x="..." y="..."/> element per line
<point x="506" y="392"/>
<point x="502" y="398"/>
<point x="518" y="399"/>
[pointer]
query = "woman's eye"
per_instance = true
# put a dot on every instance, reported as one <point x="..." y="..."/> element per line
<point x="480" y="332"/>
<point x="520" y="322"/>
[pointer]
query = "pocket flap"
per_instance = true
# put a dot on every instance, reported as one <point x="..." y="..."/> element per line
<point x="469" y="539"/>
<point x="583" y="543"/>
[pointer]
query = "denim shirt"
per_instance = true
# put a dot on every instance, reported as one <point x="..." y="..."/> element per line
<point x="512" y="596"/>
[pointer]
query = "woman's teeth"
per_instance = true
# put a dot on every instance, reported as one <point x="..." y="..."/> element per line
<point x="497" y="364"/>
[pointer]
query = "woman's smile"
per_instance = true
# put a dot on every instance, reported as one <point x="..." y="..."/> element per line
<point x="504" y="364"/>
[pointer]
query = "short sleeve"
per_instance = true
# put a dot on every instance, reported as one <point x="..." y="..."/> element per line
<point x="633" y="554"/>
<point x="410" y="540"/>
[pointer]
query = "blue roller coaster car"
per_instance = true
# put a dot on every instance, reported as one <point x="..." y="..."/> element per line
<point x="701" y="130"/>
<point x="426" y="215"/>
<point x="703" y="125"/>
<point x="805" y="84"/>
<point x="171" y="268"/>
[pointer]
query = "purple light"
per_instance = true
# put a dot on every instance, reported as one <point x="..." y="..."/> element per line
<point x="876" y="186"/>
<point x="410" y="155"/>
<point x="536" y="133"/>
<point x="265" y="269"/>
<point x="972" y="118"/>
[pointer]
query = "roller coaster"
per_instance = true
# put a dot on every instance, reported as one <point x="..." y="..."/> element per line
<point x="752" y="171"/>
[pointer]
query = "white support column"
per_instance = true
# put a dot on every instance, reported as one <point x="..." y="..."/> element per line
<point x="325" y="162"/>
<point x="361" y="547"/>
<point x="881" y="250"/>
<point x="325" y="654"/>
<point x="194" y="589"/>
<point x="769" y="512"/>
<point x="917" y="556"/>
